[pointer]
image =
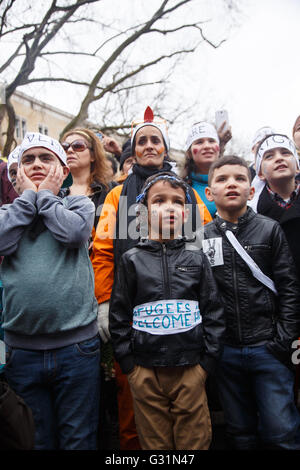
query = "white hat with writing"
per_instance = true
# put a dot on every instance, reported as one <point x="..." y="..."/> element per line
<point x="35" y="139"/>
<point x="12" y="158"/>
<point x="201" y="130"/>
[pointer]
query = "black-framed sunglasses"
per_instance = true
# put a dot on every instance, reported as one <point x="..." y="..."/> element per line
<point x="76" y="145"/>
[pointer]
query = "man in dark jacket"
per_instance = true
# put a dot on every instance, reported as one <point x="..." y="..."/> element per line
<point x="257" y="280"/>
<point x="166" y="324"/>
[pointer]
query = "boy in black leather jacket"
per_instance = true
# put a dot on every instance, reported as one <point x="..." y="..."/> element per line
<point x="166" y="323"/>
<point x="257" y="280"/>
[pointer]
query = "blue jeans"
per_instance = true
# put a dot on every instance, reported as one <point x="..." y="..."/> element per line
<point x="62" y="388"/>
<point x="257" y="395"/>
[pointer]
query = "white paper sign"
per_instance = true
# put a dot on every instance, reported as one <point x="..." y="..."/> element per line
<point x="167" y="317"/>
<point x="213" y="249"/>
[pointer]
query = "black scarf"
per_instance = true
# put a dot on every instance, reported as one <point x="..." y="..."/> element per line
<point x="132" y="187"/>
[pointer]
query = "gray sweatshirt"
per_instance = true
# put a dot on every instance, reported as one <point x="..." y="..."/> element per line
<point x="48" y="280"/>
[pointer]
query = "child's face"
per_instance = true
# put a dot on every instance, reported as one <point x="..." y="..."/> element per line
<point x="204" y="152"/>
<point x="129" y="162"/>
<point x="166" y="211"/>
<point x="230" y="189"/>
<point x="13" y="169"/>
<point x="150" y="148"/>
<point x="278" y="164"/>
<point x="37" y="163"/>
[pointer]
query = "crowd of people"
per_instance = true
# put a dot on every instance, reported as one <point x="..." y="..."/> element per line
<point x="142" y="298"/>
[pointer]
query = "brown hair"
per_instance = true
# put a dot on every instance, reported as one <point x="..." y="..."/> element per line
<point x="99" y="167"/>
<point x="189" y="166"/>
<point x="296" y="125"/>
<point x="228" y="160"/>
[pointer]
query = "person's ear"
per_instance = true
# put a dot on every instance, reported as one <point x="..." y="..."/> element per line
<point x="261" y="176"/>
<point x="66" y="171"/>
<point x="251" y="193"/>
<point x="208" y="194"/>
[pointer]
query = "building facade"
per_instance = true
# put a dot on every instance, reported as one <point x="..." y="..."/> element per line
<point x="35" y="116"/>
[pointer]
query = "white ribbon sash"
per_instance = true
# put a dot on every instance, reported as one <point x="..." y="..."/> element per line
<point x="167" y="317"/>
<point x="256" y="271"/>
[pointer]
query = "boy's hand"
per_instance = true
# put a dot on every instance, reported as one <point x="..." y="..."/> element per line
<point x="23" y="182"/>
<point x="53" y="180"/>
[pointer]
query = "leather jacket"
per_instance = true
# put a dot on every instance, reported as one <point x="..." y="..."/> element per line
<point x="156" y="274"/>
<point x="254" y="314"/>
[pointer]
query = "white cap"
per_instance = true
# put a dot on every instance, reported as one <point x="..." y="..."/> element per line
<point x="261" y="133"/>
<point x="12" y="158"/>
<point x="199" y="131"/>
<point x="272" y="142"/>
<point x="35" y="139"/>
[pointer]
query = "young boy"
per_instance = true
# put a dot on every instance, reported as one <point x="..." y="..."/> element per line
<point x="277" y="168"/>
<point x="166" y="324"/>
<point x="49" y="308"/>
<point x="261" y="302"/>
<point x="12" y="166"/>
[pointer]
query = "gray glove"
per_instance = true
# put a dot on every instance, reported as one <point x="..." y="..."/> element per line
<point x="102" y="320"/>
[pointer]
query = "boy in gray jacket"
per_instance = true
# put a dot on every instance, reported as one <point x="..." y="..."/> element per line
<point x="49" y="308"/>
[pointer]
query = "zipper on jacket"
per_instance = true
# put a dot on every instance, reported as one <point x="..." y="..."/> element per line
<point x="167" y="290"/>
<point x="236" y="298"/>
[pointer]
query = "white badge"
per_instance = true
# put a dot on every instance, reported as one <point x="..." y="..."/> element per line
<point x="213" y="249"/>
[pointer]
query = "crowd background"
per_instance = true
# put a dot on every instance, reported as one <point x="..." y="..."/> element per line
<point x="104" y="171"/>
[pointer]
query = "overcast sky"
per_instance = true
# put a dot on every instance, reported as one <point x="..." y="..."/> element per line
<point x="254" y="74"/>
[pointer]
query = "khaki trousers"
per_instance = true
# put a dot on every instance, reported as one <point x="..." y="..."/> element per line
<point x="170" y="407"/>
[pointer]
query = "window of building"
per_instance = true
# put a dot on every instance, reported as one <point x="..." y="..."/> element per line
<point x="43" y="129"/>
<point x="17" y="128"/>
<point x="20" y="127"/>
<point x="24" y="127"/>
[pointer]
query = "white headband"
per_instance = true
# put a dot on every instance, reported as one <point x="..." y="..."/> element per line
<point x="261" y="134"/>
<point x="201" y="130"/>
<point x="35" y="139"/>
<point x="158" y="126"/>
<point x="12" y="158"/>
<point x="272" y="142"/>
<point x="150" y="121"/>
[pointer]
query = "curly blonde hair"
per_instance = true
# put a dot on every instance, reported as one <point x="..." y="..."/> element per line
<point x="99" y="167"/>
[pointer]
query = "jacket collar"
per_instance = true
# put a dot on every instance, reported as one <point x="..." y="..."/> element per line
<point x="154" y="245"/>
<point x="224" y="225"/>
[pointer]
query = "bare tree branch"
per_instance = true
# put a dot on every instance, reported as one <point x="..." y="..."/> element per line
<point x="117" y="78"/>
<point x="3" y="17"/>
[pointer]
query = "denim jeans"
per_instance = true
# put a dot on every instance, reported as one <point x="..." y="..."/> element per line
<point x="257" y="395"/>
<point x="62" y="387"/>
